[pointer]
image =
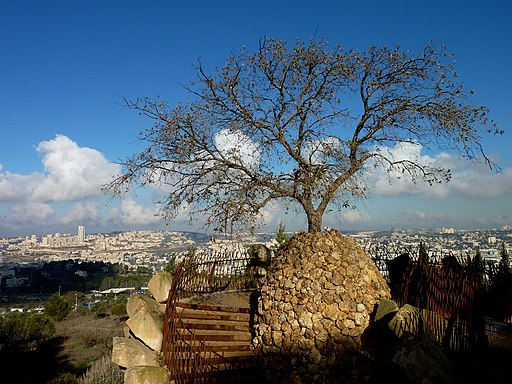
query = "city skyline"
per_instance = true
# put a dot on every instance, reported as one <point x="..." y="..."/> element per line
<point x="66" y="67"/>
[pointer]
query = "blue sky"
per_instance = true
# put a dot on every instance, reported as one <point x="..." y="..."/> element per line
<point x="65" y="64"/>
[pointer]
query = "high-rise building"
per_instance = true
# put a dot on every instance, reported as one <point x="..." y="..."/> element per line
<point x="81" y="234"/>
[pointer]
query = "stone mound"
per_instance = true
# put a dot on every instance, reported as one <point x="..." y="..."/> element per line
<point x="315" y="304"/>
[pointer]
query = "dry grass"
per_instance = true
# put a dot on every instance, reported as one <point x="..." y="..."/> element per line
<point x="103" y="371"/>
<point x="87" y="339"/>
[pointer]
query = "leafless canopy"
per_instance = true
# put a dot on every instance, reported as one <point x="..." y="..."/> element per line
<point x="300" y="123"/>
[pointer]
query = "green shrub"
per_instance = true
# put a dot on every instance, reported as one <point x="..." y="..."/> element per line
<point x="119" y="306"/>
<point x="24" y="331"/>
<point x="281" y="236"/>
<point x="172" y="265"/>
<point x="101" y="308"/>
<point x="57" y="308"/>
<point x="94" y="336"/>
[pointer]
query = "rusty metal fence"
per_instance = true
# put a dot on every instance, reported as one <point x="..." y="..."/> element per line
<point x="181" y="369"/>
<point x="449" y="300"/>
<point x="185" y="353"/>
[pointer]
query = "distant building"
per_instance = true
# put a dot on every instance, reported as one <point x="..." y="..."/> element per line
<point x="81" y="234"/>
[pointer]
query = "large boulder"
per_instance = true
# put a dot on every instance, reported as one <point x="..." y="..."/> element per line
<point x="385" y="310"/>
<point x="159" y="286"/>
<point x="409" y="319"/>
<point x="147" y="326"/>
<point x="130" y="352"/>
<point x="260" y="257"/>
<point x="403" y="348"/>
<point x="137" y="301"/>
<point x="146" y="375"/>
<point x="315" y="304"/>
<point x="424" y="361"/>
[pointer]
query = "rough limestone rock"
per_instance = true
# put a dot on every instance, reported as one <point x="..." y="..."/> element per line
<point x="159" y="285"/>
<point x="147" y="325"/>
<point x="137" y="301"/>
<point x="424" y="361"/>
<point x="146" y="375"/>
<point x="126" y="331"/>
<point x="130" y="352"/>
<point x="260" y="257"/>
<point x="315" y="304"/>
<point x="386" y="309"/>
<point x="408" y="319"/>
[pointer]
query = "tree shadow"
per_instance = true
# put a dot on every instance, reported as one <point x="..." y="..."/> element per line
<point x="36" y="366"/>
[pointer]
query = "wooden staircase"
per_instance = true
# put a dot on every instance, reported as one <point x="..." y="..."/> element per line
<point x="217" y="338"/>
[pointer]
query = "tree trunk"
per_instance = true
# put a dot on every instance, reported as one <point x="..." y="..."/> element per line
<point x="314" y="222"/>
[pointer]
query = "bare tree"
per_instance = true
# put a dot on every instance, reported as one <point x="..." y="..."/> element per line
<point x="300" y="123"/>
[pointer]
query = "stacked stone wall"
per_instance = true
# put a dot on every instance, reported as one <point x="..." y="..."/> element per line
<point x="139" y="351"/>
<point x="314" y="307"/>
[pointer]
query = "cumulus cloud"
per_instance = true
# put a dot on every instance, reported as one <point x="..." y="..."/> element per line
<point x="32" y="213"/>
<point x="132" y="213"/>
<point x="354" y="216"/>
<point x="68" y="192"/>
<point x="81" y="213"/>
<point x="421" y="215"/>
<point x="238" y="147"/>
<point x="272" y="213"/>
<point x="73" y="172"/>
<point x="468" y="179"/>
<point x="15" y="187"/>
<point x="480" y="182"/>
<point x="317" y="151"/>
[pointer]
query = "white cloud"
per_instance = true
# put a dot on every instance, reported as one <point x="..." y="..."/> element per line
<point x="272" y="213"/>
<point x="354" y="216"/>
<point x="133" y="214"/>
<point x="383" y="181"/>
<point x="479" y="181"/>
<point x="426" y="219"/>
<point x="468" y="179"/>
<point x="15" y="187"/>
<point x="73" y="172"/>
<point x="29" y="213"/>
<point x="81" y="213"/>
<point x="317" y="151"/>
<point x="236" y="146"/>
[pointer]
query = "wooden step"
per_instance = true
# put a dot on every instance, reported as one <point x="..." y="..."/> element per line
<point x="226" y="359"/>
<point x="212" y="315"/>
<point x="210" y="345"/>
<point x="213" y="325"/>
<point x="210" y="307"/>
<point x="193" y="319"/>
<point x="216" y="335"/>
<point x="225" y="372"/>
<point x="202" y="334"/>
<point x="217" y="342"/>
